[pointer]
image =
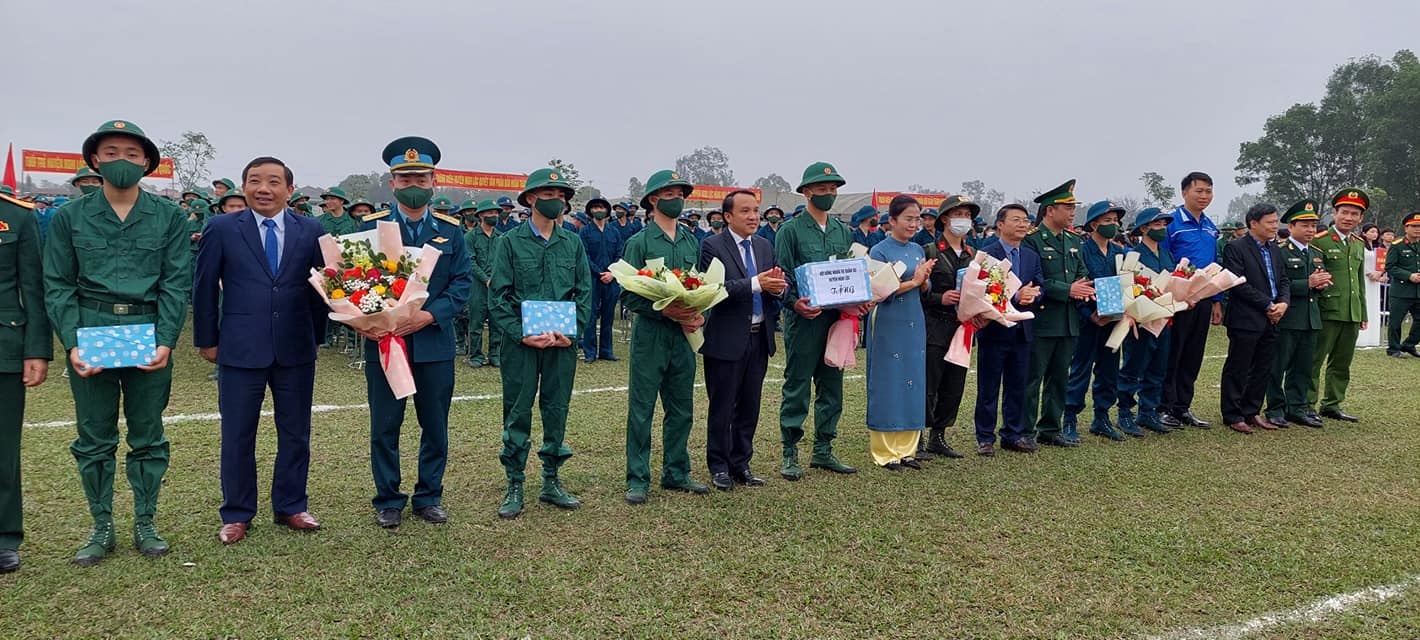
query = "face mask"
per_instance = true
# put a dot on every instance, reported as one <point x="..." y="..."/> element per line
<point x="772" y="219"/>
<point x="413" y="197"/>
<point x="490" y="220"/>
<point x="716" y="225"/>
<point x="599" y="215"/>
<point x="670" y="207"/>
<point x="89" y="188"/>
<point x="1158" y="235"/>
<point x="121" y="174"/>
<point x="620" y="215"/>
<point x="872" y="224"/>
<point x="959" y="226"/>
<point x="1107" y="231"/>
<point x="550" y="208"/>
<point x="823" y="202"/>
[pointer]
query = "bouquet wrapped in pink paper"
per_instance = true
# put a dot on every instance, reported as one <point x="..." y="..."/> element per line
<point x="986" y="290"/>
<point x="840" y="351"/>
<point x="372" y="282"/>
<point x="1193" y="285"/>
<point x="1146" y="304"/>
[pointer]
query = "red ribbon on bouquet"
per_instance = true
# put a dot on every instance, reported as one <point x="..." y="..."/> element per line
<point x="394" y="361"/>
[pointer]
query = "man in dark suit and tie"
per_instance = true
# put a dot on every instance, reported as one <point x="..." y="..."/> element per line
<point x="1003" y="353"/>
<point x="265" y="333"/>
<point x="1253" y="311"/>
<point x="739" y="338"/>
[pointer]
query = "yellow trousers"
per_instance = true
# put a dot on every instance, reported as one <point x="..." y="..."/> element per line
<point x="892" y="446"/>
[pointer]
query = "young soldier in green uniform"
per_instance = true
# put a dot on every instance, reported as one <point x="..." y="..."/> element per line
<point x="119" y="257"/>
<point x="1343" y="304"/>
<point x="428" y="340"/>
<point x="1057" y="320"/>
<point x="87" y="181"/>
<point x="480" y="242"/>
<point x="537" y="261"/>
<point x="814" y="237"/>
<point x="337" y="221"/>
<point x="1291" y="379"/>
<point x="25" y="352"/>
<point x="222" y="187"/>
<point x="1402" y="263"/>
<point x="661" y="358"/>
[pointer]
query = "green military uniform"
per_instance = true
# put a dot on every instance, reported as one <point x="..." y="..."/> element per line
<point x="197" y="215"/>
<point x="800" y="241"/>
<point x="24" y="335"/>
<point x="480" y="247"/>
<point x="1343" y="307"/>
<point x="1057" y="321"/>
<point x="661" y="358"/>
<point x="103" y="271"/>
<point x="341" y="222"/>
<point x="85" y="172"/>
<point x="1291" y="378"/>
<point x="1402" y="261"/>
<point x="526" y="266"/>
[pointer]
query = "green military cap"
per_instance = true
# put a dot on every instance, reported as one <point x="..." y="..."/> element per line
<point x="297" y="198"/>
<point x="466" y="207"/>
<point x="820" y="172"/>
<point x="660" y="180"/>
<point x="228" y="196"/>
<point x="411" y="154"/>
<point x="952" y="202"/>
<point x="7" y="190"/>
<point x="199" y="203"/>
<point x="1303" y="210"/>
<point x="487" y="205"/>
<point x="336" y="192"/>
<point x="124" y="128"/>
<point x="1063" y="194"/>
<point x="1352" y="196"/>
<point x="543" y="178"/>
<point x="191" y="194"/>
<point x="361" y="202"/>
<point x="227" y="181"/>
<point x="84" y="172"/>
<point x="441" y="203"/>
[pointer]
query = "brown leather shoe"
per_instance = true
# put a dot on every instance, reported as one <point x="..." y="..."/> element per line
<point x="1240" y="427"/>
<point x="302" y="521"/>
<point x="233" y="533"/>
<point x="1260" y="423"/>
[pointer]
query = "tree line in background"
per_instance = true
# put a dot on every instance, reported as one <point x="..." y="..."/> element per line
<point x="1362" y="133"/>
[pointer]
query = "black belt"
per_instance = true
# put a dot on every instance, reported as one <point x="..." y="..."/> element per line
<point x="120" y="309"/>
<point x="756" y="327"/>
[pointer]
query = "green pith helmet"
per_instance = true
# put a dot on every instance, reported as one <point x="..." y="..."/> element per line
<point x="543" y="178"/>
<point x="485" y="206"/>
<point x="337" y="192"/>
<point x="820" y="172"/>
<point x="126" y="128"/>
<point x="660" y="180"/>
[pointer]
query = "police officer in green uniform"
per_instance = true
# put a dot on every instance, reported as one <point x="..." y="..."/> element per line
<point x="662" y="361"/>
<point x="480" y="242"/>
<point x="25" y="352"/>
<point x="1291" y="378"/>
<point x="428" y="341"/>
<point x="1402" y="263"/>
<point x="119" y="257"/>
<point x="1057" y="320"/>
<point x="86" y="181"/>
<point x="814" y="237"/>
<point x="1343" y="304"/>
<point x="337" y="221"/>
<point x="539" y="261"/>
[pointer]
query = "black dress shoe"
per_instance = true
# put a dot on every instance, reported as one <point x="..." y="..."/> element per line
<point x="389" y="518"/>
<point x="1337" y="414"/>
<point x="608" y="358"/>
<point x="1279" y="422"/>
<point x="1307" y="421"/>
<point x="1191" y="420"/>
<point x="722" y="481"/>
<point x="1412" y="351"/>
<point x="1313" y="415"/>
<point x="1167" y="420"/>
<point x="893" y="466"/>
<point x="433" y="514"/>
<point x="9" y="560"/>
<point x="1056" y="440"/>
<point x="912" y="463"/>
<point x="748" y="479"/>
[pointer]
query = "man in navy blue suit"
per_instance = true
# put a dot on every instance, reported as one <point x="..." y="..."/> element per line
<point x="739" y="339"/>
<point x="264" y="334"/>
<point x="1002" y="353"/>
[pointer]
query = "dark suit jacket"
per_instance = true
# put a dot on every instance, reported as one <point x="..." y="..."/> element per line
<point x="1030" y="272"/>
<point x="727" y="323"/>
<point x="1248" y="302"/>
<point x="264" y="318"/>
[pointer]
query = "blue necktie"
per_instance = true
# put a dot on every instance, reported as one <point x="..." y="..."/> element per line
<point x="1015" y="259"/>
<point x="273" y="256"/>
<point x="414" y="228"/>
<point x="752" y="271"/>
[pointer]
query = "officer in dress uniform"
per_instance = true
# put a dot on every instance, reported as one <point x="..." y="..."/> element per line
<point x="1343" y="304"/>
<point x="1299" y="327"/>
<point x="1402" y="263"/>
<point x="429" y="341"/>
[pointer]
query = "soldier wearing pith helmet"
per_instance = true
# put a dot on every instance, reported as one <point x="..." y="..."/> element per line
<point x="1343" y="304"/>
<point x="429" y="340"/>
<point x="480" y="241"/>
<point x="87" y="181"/>
<point x="120" y="256"/>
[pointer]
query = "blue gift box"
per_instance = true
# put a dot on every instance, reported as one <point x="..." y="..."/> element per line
<point x="115" y="347"/>
<point x="1109" y="295"/>
<point x="834" y="283"/>
<point x="541" y="316"/>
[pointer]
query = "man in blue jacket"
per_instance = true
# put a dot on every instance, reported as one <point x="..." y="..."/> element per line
<point x="1003" y="358"/>
<point x="1192" y="235"/>
<point x="603" y="240"/>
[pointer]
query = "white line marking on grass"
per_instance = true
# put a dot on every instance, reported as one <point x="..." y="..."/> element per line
<point x="1309" y="614"/>
<point x="327" y="408"/>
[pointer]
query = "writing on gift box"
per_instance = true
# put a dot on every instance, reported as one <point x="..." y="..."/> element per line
<point x="835" y="282"/>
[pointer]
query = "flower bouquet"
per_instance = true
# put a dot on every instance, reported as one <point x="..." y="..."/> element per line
<point x="1193" y="285"/>
<point x="986" y="291"/>
<point x="662" y="286"/>
<point x="883" y="277"/>
<point x="883" y="280"/>
<point x="372" y="282"/>
<point x="1146" y="303"/>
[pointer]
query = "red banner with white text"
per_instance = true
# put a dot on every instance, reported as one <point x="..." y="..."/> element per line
<point x="33" y="161"/>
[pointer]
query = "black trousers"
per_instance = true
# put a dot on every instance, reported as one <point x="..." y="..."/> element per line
<point x="733" y="388"/>
<point x="1186" y="347"/>
<point x="945" y="383"/>
<point x="1246" y="372"/>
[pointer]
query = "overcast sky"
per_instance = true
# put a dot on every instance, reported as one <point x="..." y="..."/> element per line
<point x="1022" y="95"/>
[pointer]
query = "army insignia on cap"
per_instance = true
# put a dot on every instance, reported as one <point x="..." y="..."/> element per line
<point x="411" y="155"/>
<point x="965" y="199"/>
<point x="1310" y="207"/>
<point x="121" y="124"/>
<point x="552" y="176"/>
<point x="828" y="171"/>
<point x="1353" y="194"/>
<point x="675" y="176"/>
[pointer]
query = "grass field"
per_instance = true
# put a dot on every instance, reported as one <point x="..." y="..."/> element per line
<point x="1195" y="529"/>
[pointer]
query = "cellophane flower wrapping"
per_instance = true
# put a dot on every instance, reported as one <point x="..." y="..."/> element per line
<point x="695" y="289"/>
<point x="986" y="291"/>
<point x="1147" y="303"/>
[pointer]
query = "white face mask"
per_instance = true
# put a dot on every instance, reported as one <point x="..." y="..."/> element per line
<point x="959" y="226"/>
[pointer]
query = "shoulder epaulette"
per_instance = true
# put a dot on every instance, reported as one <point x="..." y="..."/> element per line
<point x="449" y="219"/>
<point x="1398" y="241"/>
<point x="17" y="202"/>
<point x="374" y="216"/>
